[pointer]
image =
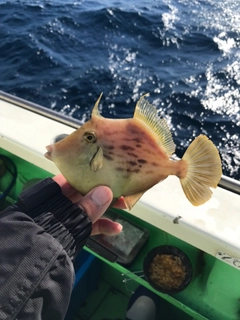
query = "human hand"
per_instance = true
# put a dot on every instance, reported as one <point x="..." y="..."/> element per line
<point x="95" y="203"/>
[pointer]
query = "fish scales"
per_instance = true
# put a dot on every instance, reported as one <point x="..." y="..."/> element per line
<point x="132" y="155"/>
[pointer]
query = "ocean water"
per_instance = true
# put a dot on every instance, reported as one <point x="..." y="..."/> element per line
<point x="186" y="53"/>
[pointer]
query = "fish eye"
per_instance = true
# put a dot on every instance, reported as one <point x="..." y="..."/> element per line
<point x="90" y="137"/>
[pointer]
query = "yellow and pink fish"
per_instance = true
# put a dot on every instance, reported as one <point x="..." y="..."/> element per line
<point x="132" y="155"/>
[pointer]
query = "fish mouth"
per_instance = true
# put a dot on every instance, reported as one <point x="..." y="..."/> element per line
<point x="48" y="154"/>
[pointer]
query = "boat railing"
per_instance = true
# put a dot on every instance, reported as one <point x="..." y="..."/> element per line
<point x="43" y="111"/>
<point x="226" y="182"/>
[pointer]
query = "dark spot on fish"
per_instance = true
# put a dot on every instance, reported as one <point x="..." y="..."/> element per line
<point x="120" y="169"/>
<point x="132" y="154"/>
<point x="149" y="172"/>
<point x="132" y="163"/>
<point x="133" y="171"/>
<point x="136" y="170"/>
<point x="138" y="145"/>
<point x="108" y="147"/>
<point x="140" y="166"/>
<point x="106" y="156"/>
<point x="124" y="147"/>
<point x="138" y="140"/>
<point x="142" y="161"/>
<point x="133" y="131"/>
<point x="148" y="151"/>
<point x="154" y="164"/>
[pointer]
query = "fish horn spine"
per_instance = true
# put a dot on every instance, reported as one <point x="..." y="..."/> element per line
<point x="95" y="111"/>
<point x="204" y="170"/>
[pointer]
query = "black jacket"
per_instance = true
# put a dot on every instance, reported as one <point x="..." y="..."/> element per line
<point x="39" y="238"/>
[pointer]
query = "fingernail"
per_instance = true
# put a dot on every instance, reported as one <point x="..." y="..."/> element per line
<point x="100" y="196"/>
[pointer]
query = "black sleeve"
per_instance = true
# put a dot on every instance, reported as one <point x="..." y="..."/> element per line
<point x="39" y="238"/>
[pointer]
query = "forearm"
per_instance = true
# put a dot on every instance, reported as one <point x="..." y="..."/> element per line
<point x="39" y="237"/>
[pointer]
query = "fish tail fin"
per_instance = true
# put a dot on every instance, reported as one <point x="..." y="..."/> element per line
<point x="204" y="170"/>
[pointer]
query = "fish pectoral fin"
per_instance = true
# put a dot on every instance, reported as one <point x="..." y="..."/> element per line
<point x="132" y="199"/>
<point x="97" y="160"/>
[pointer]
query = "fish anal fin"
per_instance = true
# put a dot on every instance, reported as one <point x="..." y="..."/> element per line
<point x="204" y="170"/>
<point x="147" y="114"/>
<point x="132" y="199"/>
<point x="97" y="161"/>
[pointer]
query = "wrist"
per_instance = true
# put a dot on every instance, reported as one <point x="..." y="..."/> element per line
<point x="56" y="214"/>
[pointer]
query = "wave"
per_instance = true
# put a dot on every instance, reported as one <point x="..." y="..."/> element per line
<point x="62" y="54"/>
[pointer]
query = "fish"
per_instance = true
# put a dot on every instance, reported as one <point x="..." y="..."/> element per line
<point x="131" y="155"/>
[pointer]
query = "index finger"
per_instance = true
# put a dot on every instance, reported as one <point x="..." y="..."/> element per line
<point x="67" y="189"/>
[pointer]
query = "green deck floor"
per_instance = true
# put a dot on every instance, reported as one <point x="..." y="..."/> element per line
<point x="213" y="294"/>
<point x="105" y="303"/>
<point x="110" y="300"/>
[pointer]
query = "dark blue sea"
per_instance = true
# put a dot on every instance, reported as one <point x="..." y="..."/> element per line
<point x="186" y="53"/>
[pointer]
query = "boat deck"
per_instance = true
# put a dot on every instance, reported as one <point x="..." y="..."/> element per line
<point x="209" y="234"/>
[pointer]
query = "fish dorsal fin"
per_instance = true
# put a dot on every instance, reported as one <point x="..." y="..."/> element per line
<point x="95" y="111"/>
<point x="147" y="114"/>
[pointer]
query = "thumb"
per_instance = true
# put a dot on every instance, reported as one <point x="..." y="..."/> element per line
<point x="96" y="202"/>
